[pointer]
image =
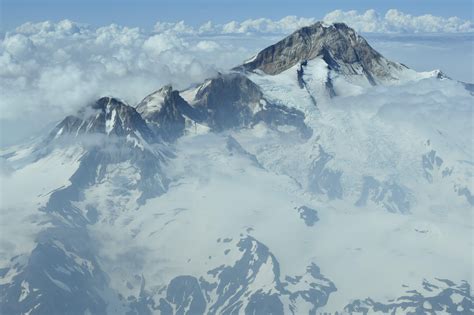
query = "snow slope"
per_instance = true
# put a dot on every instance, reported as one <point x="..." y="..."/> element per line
<point x="323" y="193"/>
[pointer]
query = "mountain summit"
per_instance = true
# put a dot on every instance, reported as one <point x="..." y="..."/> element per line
<point x="340" y="46"/>
<point x="291" y="185"/>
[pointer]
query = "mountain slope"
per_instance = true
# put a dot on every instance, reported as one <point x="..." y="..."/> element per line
<point x="291" y="185"/>
<point x="62" y="273"/>
<point x="331" y="59"/>
<point x="342" y="49"/>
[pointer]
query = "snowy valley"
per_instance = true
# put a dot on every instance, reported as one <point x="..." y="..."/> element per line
<point x="316" y="177"/>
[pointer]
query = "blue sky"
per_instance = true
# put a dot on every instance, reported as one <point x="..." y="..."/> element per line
<point x="144" y="13"/>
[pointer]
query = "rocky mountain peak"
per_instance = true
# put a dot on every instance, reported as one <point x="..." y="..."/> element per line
<point x="339" y="45"/>
<point x="106" y="102"/>
<point x="166" y="112"/>
<point x="228" y="100"/>
<point x="107" y="115"/>
<point x="234" y="86"/>
<point x="153" y="102"/>
<point x="232" y="100"/>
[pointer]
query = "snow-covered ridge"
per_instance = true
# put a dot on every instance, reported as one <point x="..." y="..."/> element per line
<point x="108" y="116"/>
<point x="303" y="191"/>
<point x="337" y="43"/>
<point x="345" y="53"/>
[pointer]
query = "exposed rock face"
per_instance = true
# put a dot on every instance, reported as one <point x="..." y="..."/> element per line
<point x="233" y="101"/>
<point x="278" y="115"/>
<point x="108" y="116"/>
<point x="467" y="194"/>
<point x="434" y="166"/>
<point x="230" y="289"/>
<point x="234" y="147"/>
<point x="388" y="194"/>
<point x="166" y="111"/>
<point x="442" y="296"/>
<point x="339" y="45"/>
<point x="308" y="215"/>
<point x="51" y="281"/>
<point x="62" y="274"/>
<point x="322" y="179"/>
<point x="119" y="162"/>
<point x="228" y="101"/>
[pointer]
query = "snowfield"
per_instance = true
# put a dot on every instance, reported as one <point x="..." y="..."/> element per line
<point x="370" y="212"/>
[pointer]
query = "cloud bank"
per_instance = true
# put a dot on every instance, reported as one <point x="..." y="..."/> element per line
<point x="62" y="63"/>
<point x="51" y="69"/>
<point x="395" y="21"/>
<point x="251" y="26"/>
<point x="48" y="70"/>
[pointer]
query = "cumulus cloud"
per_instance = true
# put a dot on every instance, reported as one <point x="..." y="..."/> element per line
<point x="395" y="21"/>
<point x="285" y="25"/>
<point x="251" y="26"/>
<point x="48" y="70"/>
<point x="51" y="69"/>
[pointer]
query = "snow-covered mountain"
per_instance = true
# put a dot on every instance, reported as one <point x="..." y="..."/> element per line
<point x="317" y="177"/>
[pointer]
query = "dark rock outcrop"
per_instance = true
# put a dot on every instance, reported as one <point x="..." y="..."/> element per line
<point x="278" y="115"/>
<point x="108" y="116"/>
<point x="232" y="101"/>
<point x="339" y="45"/>
<point x="62" y="274"/>
<point x="308" y="215"/>
<point x="323" y="180"/>
<point x="228" y="101"/>
<point x="230" y="289"/>
<point x="166" y="112"/>
<point x="443" y="296"/>
<point x="390" y="195"/>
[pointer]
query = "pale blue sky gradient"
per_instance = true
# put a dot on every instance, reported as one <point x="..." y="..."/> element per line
<point x="145" y="13"/>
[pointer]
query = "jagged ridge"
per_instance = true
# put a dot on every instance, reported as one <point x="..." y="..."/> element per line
<point x="339" y="45"/>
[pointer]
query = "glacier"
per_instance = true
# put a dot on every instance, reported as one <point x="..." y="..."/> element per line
<point x="317" y="177"/>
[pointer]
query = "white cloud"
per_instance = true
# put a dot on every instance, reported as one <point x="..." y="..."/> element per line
<point x="262" y="25"/>
<point x="179" y="27"/>
<point x="157" y="44"/>
<point x="18" y="45"/>
<point x="51" y="69"/>
<point x="251" y="26"/>
<point x="48" y="70"/>
<point x="395" y="21"/>
<point x="208" y="45"/>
